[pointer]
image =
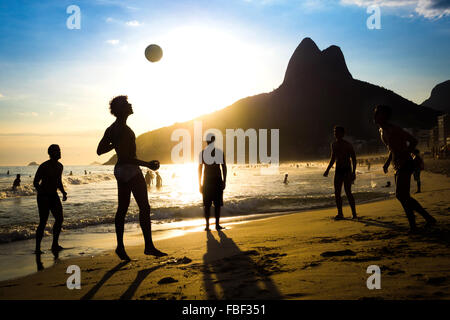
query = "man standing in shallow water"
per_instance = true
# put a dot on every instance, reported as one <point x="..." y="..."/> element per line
<point x="46" y="181"/>
<point x="341" y="153"/>
<point x="210" y="180"/>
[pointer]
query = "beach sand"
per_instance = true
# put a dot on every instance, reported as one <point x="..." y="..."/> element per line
<point x="305" y="255"/>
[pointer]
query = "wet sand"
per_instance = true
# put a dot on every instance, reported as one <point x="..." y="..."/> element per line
<point x="305" y="255"/>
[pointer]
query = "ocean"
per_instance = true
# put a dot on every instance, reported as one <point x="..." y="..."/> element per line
<point x="253" y="191"/>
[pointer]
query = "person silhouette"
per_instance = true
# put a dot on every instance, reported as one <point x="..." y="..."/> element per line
<point x="16" y="182"/>
<point x="158" y="180"/>
<point x="47" y="181"/>
<point x="7" y="173"/>
<point x="212" y="184"/>
<point x="148" y="178"/>
<point x="418" y="167"/>
<point x="341" y="153"/>
<point x="400" y="144"/>
<point x="285" y="181"/>
<point x="129" y="176"/>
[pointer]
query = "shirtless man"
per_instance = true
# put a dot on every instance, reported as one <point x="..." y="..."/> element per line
<point x="129" y="176"/>
<point x="46" y="181"/>
<point x="212" y="184"/>
<point x="401" y="144"/>
<point x="341" y="153"/>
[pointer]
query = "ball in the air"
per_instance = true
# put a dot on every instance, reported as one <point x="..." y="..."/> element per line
<point x="153" y="53"/>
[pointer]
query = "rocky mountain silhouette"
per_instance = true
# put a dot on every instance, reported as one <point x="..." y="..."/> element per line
<point x="440" y="97"/>
<point x="317" y="93"/>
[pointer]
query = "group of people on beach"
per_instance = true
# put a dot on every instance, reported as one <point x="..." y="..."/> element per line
<point x="212" y="176"/>
<point x="403" y="155"/>
<point x="149" y="176"/>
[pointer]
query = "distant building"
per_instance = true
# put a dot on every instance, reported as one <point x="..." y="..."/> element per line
<point x="433" y="139"/>
<point x="424" y="139"/>
<point x="444" y="129"/>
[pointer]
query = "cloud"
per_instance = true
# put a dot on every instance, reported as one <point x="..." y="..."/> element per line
<point x="431" y="9"/>
<point x="133" y="23"/>
<point x="113" y="42"/>
<point x="130" y="23"/>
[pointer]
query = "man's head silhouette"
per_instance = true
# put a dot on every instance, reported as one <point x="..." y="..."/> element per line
<point x="382" y="114"/>
<point x="120" y="107"/>
<point x="339" y="132"/>
<point x="54" y="152"/>
<point x="210" y="138"/>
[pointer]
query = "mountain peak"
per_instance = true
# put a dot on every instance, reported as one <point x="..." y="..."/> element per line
<point x="307" y="44"/>
<point x="309" y="63"/>
<point x="440" y="97"/>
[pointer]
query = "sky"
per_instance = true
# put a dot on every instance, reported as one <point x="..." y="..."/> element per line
<point x="56" y="81"/>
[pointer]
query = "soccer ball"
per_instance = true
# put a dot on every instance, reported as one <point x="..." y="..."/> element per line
<point x="153" y="53"/>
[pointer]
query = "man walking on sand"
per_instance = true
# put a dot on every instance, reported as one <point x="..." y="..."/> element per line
<point x="46" y="181"/>
<point x="401" y="144"/>
<point x="341" y="153"/>
<point x="212" y="185"/>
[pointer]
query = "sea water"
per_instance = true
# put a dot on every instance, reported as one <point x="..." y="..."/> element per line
<point x="252" y="191"/>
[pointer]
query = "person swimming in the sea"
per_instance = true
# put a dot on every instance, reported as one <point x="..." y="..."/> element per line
<point x="129" y="176"/>
<point x="159" y="182"/>
<point x="16" y="183"/>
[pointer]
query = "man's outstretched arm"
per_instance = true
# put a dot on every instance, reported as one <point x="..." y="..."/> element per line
<point x="332" y="160"/>
<point x="60" y="185"/>
<point x="387" y="163"/>
<point x="37" y="179"/>
<point x="354" y="162"/>
<point x="224" y="172"/>
<point x="200" y="170"/>
<point x="105" y="145"/>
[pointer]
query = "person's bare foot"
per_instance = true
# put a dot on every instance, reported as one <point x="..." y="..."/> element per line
<point x="38" y="251"/>
<point x="57" y="248"/>
<point x="339" y="217"/>
<point x="354" y="217"/>
<point x="154" y="252"/>
<point x="207" y="229"/>
<point x="121" y="253"/>
<point x="219" y="227"/>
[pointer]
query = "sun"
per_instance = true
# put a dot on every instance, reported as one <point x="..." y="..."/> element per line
<point x="203" y="69"/>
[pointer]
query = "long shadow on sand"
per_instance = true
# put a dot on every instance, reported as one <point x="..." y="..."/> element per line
<point x="105" y="278"/>
<point x="438" y="234"/>
<point x="141" y="275"/>
<point x="383" y="224"/>
<point x="229" y="273"/>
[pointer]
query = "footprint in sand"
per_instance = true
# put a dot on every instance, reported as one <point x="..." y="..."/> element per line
<point x="436" y="281"/>
<point x="167" y="280"/>
<point x="338" y="253"/>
